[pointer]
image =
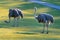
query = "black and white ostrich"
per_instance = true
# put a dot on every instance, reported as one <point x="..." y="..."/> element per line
<point x="15" y="13"/>
<point x="44" y="18"/>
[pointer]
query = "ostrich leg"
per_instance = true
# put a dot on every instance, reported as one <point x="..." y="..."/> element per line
<point x="9" y="19"/>
<point x="18" y="18"/>
<point x="43" y="27"/>
<point x="47" y="27"/>
<point x="15" y="21"/>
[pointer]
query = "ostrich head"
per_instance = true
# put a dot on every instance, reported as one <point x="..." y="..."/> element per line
<point x="35" y="9"/>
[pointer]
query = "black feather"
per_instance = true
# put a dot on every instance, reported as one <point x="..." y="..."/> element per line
<point x="45" y="18"/>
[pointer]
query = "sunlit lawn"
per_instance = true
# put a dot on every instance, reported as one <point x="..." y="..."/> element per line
<point x="29" y="28"/>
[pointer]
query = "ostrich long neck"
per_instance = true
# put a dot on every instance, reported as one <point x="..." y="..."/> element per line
<point x="35" y="11"/>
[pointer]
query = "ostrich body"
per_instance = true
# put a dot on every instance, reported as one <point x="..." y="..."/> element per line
<point x="15" y="13"/>
<point x="44" y="18"/>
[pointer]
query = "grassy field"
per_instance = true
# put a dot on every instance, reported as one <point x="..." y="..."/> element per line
<point x="29" y="28"/>
<point x="56" y="2"/>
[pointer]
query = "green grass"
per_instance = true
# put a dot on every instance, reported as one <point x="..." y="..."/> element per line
<point x="56" y="2"/>
<point x="29" y="28"/>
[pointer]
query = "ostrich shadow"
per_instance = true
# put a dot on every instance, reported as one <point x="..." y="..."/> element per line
<point x="31" y="32"/>
<point x="28" y="33"/>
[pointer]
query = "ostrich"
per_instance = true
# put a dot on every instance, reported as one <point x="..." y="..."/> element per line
<point x="15" y="13"/>
<point x="44" y="18"/>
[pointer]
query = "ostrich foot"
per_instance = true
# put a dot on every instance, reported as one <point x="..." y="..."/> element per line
<point x="46" y="32"/>
<point x="42" y="32"/>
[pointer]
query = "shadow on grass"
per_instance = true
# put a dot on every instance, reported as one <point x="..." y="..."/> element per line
<point x="28" y="33"/>
<point x="37" y="31"/>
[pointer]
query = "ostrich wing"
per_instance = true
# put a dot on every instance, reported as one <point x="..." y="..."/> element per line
<point x="20" y="13"/>
<point x="48" y="17"/>
<point x="41" y="18"/>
